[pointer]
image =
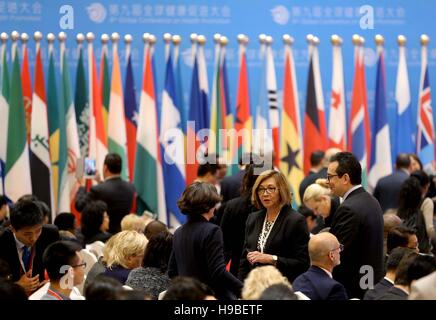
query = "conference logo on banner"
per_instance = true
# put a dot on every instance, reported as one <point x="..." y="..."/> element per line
<point x="280" y="15"/>
<point x="96" y="12"/>
<point x="30" y="11"/>
<point x="159" y="13"/>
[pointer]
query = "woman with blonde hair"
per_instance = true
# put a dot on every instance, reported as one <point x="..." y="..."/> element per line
<point x="260" y="279"/>
<point x="317" y="198"/>
<point x="276" y="234"/>
<point x="133" y="222"/>
<point x="126" y="253"/>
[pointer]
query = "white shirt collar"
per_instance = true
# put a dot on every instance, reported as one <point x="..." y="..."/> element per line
<point x="19" y="244"/>
<point x="388" y="280"/>
<point x="349" y="191"/>
<point x="328" y="272"/>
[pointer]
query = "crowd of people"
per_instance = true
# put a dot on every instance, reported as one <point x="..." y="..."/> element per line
<point x="243" y="238"/>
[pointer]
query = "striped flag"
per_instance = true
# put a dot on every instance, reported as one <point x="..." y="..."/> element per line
<point x="105" y="82"/>
<point x="381" y="162"/>
<point x="17" y="179"/>
<point x="337" y="118"/>
<point x="27" y="87"/>
<point x="359" y="130"/>
<point x="40" y="163"/>
<point x="117" y="124"/>
<point x="291" y="148"/>
<point x="81" y="104"/>
<point x="273" y="107"/>
<point x="97" y="135"/>
<point x="315" y="137"/>
<point x="405" y="133"/>
<point x="198" y="114"/>
<point x="243" y="121"/>
<point x="73" y="145"/>
<point x="216" y="121"/>
<point x="4" y="111"/>
<point x="172" y="140"/>
<point x="131" y="112"/>
<point x="148" y="178"/>
<point x="425" y="136"/>
<point x="179" y="84"/>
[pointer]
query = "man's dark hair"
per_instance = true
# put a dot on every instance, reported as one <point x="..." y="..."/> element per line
<point x="187" y="288"/>
<point x="92" y="218"/>
<point x="10" y="291"/>
<point x="421" y="266"/>
<point x="103" y="288"/>
<point x="306" y="212"/>
<point x="28" y="197"/>
<point x="65" y="221"/>
<point x="395" y="257"/>
<point x="416" y="158"/>
<point x="278" y="291"/>
<point x="402" y="161"/>
<point x="316" y="158"/>
<point x="44" y="208"/>
<point x="398" y="237"/>
<point x="113" y="163"/>
<point x="207" y="167"/>
<point x="26" y="213"/>
<point x="158" y="250"/>
<point x="154" y="227"/>
<point x="348" y="164"/>
<point x="58" y="255"/>
<point x="422" y="177"/>
<point x="401" y="275"/>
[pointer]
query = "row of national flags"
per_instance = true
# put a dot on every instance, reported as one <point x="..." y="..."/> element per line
<point x="45" y="131"/>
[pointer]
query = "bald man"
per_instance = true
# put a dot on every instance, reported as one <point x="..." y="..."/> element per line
<point x="317" y="283"/>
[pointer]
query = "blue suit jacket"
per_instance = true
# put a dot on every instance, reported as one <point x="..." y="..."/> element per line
<point x="317" y="285"/>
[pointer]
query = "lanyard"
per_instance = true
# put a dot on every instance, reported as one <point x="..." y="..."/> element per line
<point x="54" y="294"/>
<point x="263" y="237"/>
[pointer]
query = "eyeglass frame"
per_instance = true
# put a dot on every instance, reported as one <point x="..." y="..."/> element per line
<point x="83" y="264"/>
<point x="341" y="248"/>
<point x="261" y="190"/>
<point x="329" y="176"/>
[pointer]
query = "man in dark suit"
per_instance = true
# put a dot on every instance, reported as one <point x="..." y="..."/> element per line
<point x="23" y="244"/>
<point x="317" y="282"/>
<point x="317" y="170"/>
<point x="387" y="189"/>
<point x="389" y="279"/>
<point x="358" y="225"/>
<point x="116" y="193"/>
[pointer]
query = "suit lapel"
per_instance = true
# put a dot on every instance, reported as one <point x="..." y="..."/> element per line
<point x="276" y="227"/>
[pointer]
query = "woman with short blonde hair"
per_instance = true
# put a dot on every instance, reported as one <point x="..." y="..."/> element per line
<point x="133" y="222"/>
<point x="126" y="253"/>
<point x="261" y="278"/>
<point x="318" y="198"/>
<point x="277" y="234"/>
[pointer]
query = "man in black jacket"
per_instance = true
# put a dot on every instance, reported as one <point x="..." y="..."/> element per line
<point x="22" y="246"/>
<point x="358" y="225"/>
<point x="116" y="193"/>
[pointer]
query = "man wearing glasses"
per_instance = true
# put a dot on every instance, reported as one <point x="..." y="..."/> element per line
<point x="317" y="283"/>
<point x="358" y="225"/>
<point x="65" y="268"/>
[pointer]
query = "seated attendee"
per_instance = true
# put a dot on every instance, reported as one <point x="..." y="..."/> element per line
<point x="424" y="288"/>
<point x="317" y="283"/>
<point x="95" y="222"/>
<point x="154" y="227"/>
<point x="390" y="221"/>
<point x="115" y="192"/>
<point x="151" y="277"/>
<point x="401" y="288"/>
<point x="261" y="278"/>
<point x="23" y="245"/>
<point x="401" y="237"/>
<point x="422" y="266"/>
<point x="389" y="279"/>
<point x="126" y="254"/>
<point x="103" y="288"/>
<point x="66" y="223"/>
<point x="278" y="291"/>
<point x="187" y="288"/>
<point x="4" y="211"/>
<point x="133" y="222"/>
<point x="65" y="269"/>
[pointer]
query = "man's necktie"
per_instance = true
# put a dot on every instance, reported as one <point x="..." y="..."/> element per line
<point x="26" y="257"/>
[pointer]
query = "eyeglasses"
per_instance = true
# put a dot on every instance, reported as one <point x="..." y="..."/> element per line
<point x="269" y="190"/>
<point x="340" y="248"/>
<point x="80" y="265"/>
<point x="329" y="176"/>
